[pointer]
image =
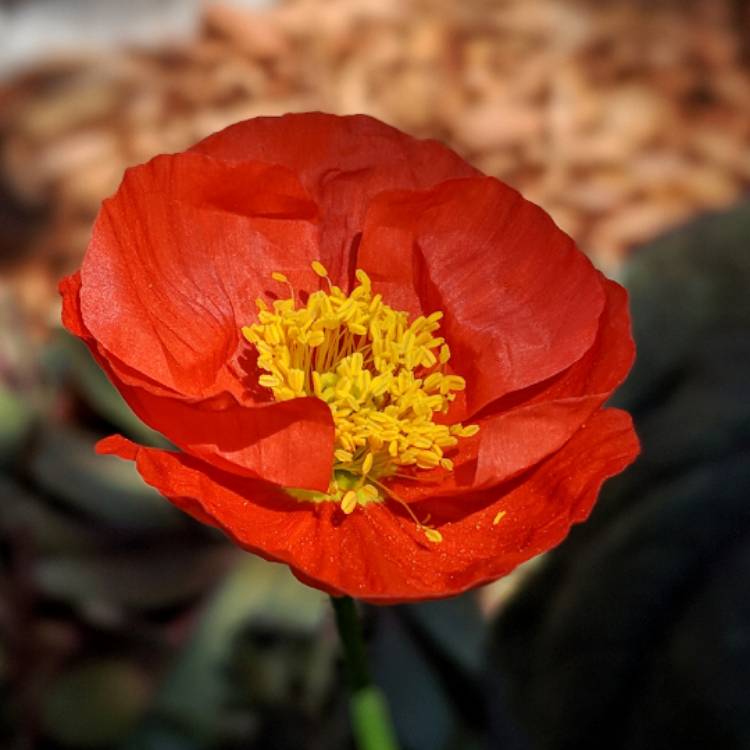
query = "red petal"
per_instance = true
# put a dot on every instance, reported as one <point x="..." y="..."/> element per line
<point x="178" y="257"/>
<point x="376" y="553"/>
<point x="343" y="162"/>
<point x="520" y="430"/>
<point x="531" y="424"/>
<point x="601" y="369"/>
<point x="70" y="289"/>
<point x="117" y="445"/>
<point x="521" y="303"/>
<point x="258" y="516"/>
<point x="269" y="440"/>
<point x="540" y="507"/>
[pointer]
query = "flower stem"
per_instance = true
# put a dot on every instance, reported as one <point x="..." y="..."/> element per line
<point x="371" y="720"/>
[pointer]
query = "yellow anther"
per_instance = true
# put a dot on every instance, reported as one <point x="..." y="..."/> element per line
<point x="375" y="442"/>
<point x="452" y="383"/>
<point x="370" y="492"/>
<point x="296" y="380"/>
<point x="499" y="517"/>
<point x="433" y="535"/>
<point x="432" y="380"/>
<point x="367" y="464"/>
<point x="362" y="278"/>
<point x="349" y="502"/>
<point x="316" y="338"/>
<point x="382" y="376"/>
<point x="319" y="269"/>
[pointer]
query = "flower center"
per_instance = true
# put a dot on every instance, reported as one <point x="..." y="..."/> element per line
<point x="383" y="378"/>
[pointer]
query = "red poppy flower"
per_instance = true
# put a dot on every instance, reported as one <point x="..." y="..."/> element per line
<point x="380" y="367"/>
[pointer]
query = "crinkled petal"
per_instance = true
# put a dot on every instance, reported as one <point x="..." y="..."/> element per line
<point x="72" y="319"/>
<point x="117" y="445"/>
<point x="178" y="257"/>
<point x="522" y="429"/>
<point x="521" y="303"/>
<point x="269" y="440"/>
<point x="343" y="162"/>
<point x="376" y="553"/>
<point x="528" y="426"/>
<point x="259" y="516"/>
<point x="70" y="290"/>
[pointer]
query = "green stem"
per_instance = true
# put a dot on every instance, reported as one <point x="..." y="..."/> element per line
<point x="371" y="720"/>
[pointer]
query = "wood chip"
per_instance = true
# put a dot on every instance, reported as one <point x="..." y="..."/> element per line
<point x="620" y="118"/>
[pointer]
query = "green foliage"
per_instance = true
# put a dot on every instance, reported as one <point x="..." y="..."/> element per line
<point x="95" y="704"/>
<point x="16" y="420"/>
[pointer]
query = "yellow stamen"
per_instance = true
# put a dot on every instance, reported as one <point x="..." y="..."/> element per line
<point x="282" y="279"/>
<point x="367" y="464"/>
<point x="468" y="431"/>
<point x="433" y="535"/>
<point x="349" y="502"/>
<point x="319" y="269"/>
<point x="383" y="377"/>
<point x="499" y="517"/>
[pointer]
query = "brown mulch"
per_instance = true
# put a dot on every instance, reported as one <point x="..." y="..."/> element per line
<point x="620" y="118"/>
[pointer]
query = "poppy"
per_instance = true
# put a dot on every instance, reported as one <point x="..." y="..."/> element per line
<point x="377" y="365"/>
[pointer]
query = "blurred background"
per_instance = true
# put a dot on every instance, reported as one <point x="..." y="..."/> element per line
<point x="125" y="625"/>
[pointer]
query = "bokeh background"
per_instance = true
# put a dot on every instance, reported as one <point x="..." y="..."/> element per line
<point x="125" y="625"/>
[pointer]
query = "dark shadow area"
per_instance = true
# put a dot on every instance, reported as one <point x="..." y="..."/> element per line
<point x="635" y="634"/>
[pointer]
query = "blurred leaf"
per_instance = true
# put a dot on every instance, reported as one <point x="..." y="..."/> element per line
<point x="105" y="487"/>
<point x="422" y="711"/>
<point x="280" y="679"/>
<point x="691" y="319"/>
<point x="50" y="530"/>
<point x="456" y="627"/>
<point x="635" y="634"/>
<point x="590" y="642"/>
<point x="685" y="287"/>
<point x="16" y="421"/>
<point x="95" y="704"/>
<point x="704" y="669"/>
<point x="140" y="579"/>
<point x="450" y="636"/>
<point x="154" y="736"/>
<point x="255" y="591"/>
<point x="267" y="664"/>
<point x="97" y="390"/>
